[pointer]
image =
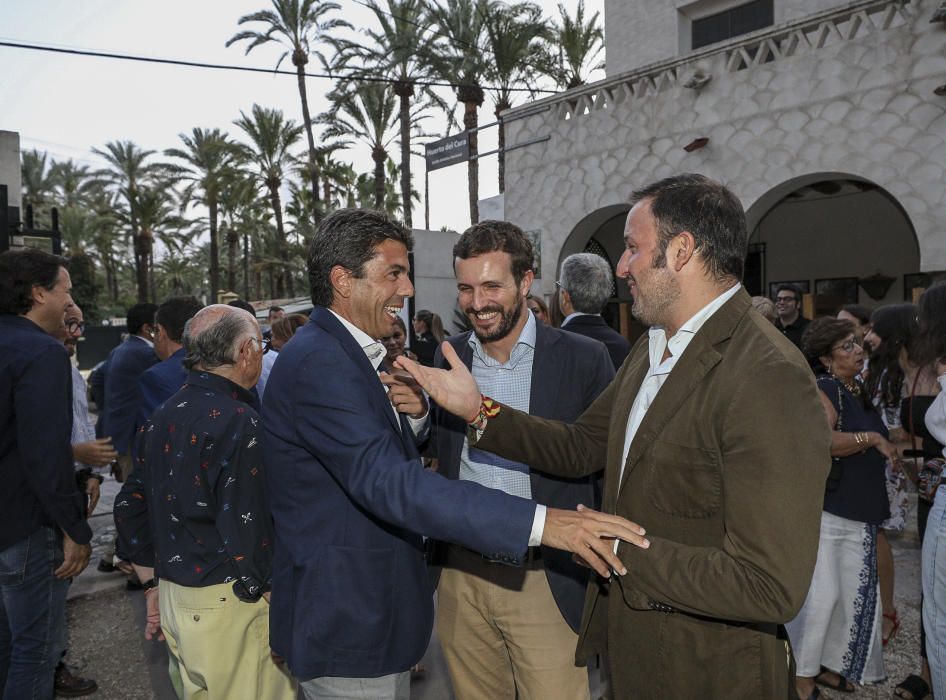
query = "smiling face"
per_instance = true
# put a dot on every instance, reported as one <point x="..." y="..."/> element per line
<point x="489" y="295"/>
<point x="75" y="326"/>
<point x="50" y="305"/>
<point x="373" y="301"/>
<point x="394" y="343"/>
<point x="645" y="270"/>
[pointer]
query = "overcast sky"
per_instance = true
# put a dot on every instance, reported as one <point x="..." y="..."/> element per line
<point x="66" y="105"/>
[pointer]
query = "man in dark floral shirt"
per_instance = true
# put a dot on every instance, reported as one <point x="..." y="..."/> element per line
<point x="193" y="514"/>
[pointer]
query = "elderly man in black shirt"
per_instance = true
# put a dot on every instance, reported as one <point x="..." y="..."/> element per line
<point x="193" y="514"/>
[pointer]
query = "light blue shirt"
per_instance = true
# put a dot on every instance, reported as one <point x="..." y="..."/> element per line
<point x="511" y="384"/>
<point x="83" y="428"/>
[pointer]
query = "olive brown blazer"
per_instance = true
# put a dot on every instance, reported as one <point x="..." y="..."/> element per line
<point x="726" y="473"/>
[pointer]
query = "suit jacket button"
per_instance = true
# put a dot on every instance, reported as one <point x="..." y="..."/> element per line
<point x="196" y="618"/>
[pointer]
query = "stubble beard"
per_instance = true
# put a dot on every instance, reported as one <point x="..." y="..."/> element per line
<point x="663" y="291"/>
<point x="509" y="321"/>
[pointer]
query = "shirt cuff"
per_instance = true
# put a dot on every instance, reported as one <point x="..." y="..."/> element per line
<point x="538" y="526"/>
<point x="419" y="425"/>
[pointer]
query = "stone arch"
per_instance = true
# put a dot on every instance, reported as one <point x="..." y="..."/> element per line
<point x="832" y="225"/>
<point x="604" y="226"/>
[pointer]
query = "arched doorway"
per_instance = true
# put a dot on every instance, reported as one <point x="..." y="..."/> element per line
<point x="602" y="232"/>
<point x="840" y="237"/>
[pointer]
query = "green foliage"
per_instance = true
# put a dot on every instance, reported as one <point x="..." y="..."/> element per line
<point x="85" y="287"/>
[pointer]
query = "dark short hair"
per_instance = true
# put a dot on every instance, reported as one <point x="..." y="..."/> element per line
<point x="272" y="310"/>
<point x="140" y="315"/>
<point x="793" y="288"/>
<point x="821" y="335"/>
<point x="348" y="237"/>
<point x="21" y="270"/>
<point x="242" y="304"/>
<point x="861" y="313"/>
<point x="709" y="211"/>
<point x="490" y="236"/>
<point x="588" y="280"/>
<point x="930" y="344"/>
<point x="174" y="313"/>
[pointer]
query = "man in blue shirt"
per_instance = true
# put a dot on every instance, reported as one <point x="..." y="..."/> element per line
<point x="44" y="538"/>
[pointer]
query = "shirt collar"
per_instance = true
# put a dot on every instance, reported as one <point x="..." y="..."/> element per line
<point x="143" y="340"/>
<point x="215" y="382"/>
<point x="576" y="314"/>
<point x="658" y="341"/>
<point x="526" y="339"/>
<point x="374" y="349"/>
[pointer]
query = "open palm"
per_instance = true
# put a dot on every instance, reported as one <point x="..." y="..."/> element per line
<point x="454" y="390"/>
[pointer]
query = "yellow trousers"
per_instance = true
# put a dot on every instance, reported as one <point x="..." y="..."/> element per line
<point x="219" y="645"/>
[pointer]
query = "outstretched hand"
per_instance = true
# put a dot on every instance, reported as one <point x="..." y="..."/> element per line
<point x="590" y="535"/>
<point x="454" y="390"/>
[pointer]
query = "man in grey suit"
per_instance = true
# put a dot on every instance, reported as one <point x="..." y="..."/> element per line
<point x="585" y="285"/>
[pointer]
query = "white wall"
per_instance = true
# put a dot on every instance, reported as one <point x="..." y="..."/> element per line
<point x="10" y="168"/>
<point x="435" y="287"/>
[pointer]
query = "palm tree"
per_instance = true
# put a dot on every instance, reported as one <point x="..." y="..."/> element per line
<point x="38" y="182"/>
<point x="338" y="181"/>
<point x="299" y="25"/>
<point x="461" y="58"/>
<point x="516" y="37"/>
<point x="573" y="47"/>
<point x="368" y="113"/>
<point x="401" y="48"/>
<point x="271" y="136"/>
<point x="127" y="172"/>
<point x="240" y="210"/>
<point x="73" y="183"/>
<point x="208" y="156"/>
<point x="365" y="191"/>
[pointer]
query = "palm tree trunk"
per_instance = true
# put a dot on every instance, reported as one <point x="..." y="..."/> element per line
<point x="141" y="267"/>
<point x="379" y="155"/>
<point x="307" y="120"/>
<point x="152" y="287"/>
<point x="214" y="251"/>
<point x="472" y="97"/>
<point x="246" y="266"/>
<point x="405" y="90"/>
<point x="327" y="193"/>
<point x="500" y="108"/>
<point x="229" y="234"/>
<point x="281" y="247"/>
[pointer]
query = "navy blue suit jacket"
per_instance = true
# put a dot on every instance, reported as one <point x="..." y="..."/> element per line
<point x="596" y="327"/>
<point x="160" y="382"/>
<point x="350" y="499"/>
<point x="568" y="373"/>
<point x="126" y="362"/>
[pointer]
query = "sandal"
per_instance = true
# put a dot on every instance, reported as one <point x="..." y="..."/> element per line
<point x="841" y="685"/>
<point x="915" y="687"/>
<point x="895" y="619"/>
<point x="815" y="694"/>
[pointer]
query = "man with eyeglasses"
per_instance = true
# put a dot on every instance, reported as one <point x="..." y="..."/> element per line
<point x="788" y="307"/>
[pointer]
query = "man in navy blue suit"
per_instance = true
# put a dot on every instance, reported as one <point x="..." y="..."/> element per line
<point x="584" y="287"/>
<point x="352" y="606"/>
<point x="160" y="382"/>
<point x="126" y="363"/>
<point x="508" y="630"/>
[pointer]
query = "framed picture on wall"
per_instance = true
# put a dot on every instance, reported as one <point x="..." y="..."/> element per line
<point x="842" y="290"/>
<point x="536" y="238"/>
<point x="803" y="285"/>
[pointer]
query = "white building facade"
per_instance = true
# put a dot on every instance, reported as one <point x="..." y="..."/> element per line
<point x="828" y="120"/>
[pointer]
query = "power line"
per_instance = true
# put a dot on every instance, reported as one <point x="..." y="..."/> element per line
<point x="249" y="69"/>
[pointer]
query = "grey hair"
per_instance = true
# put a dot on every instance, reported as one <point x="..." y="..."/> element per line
<point x="214" y="345"/>
<point x="588" y="280"/>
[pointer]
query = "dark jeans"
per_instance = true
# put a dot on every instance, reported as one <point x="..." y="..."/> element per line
<point x="32" y="615"/>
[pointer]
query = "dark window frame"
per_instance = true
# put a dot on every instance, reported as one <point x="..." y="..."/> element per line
<point x="736" y="21"/>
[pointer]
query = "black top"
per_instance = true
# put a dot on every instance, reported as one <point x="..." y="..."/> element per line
<point x="594" y="326"/>
<point x="425" y="345"/>
<point x="194" y="506"/>
<point x="920" y="405"/>
<point x="861" y="492"/>
<point x="36" y="466"/>
<point x="794" y="330"/>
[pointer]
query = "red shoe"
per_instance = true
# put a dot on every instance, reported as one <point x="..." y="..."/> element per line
<point x="895" y="619"/>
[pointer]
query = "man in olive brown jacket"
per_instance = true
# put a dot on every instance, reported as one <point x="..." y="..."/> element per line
<point x="714" y="441"/>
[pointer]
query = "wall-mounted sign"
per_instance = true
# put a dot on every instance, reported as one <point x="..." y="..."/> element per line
<point x="448" y="151"/>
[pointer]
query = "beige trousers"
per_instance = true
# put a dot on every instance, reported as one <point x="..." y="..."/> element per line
<point x="502" y="633"/>
<point x="219" y="645"/>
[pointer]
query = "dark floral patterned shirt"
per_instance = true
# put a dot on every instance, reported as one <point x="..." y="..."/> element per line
<point x="194" y="506"/>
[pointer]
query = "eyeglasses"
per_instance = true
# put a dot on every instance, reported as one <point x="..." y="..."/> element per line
<point x="560" y="285"/>
<point x="75" y="327"/>
<point x="785" y="300"/>
<point x="848" y="345"/>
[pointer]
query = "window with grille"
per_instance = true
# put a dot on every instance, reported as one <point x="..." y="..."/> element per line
<point x="733" y="22"/>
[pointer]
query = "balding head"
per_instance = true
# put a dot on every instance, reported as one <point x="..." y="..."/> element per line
<point x="220" y="339"/>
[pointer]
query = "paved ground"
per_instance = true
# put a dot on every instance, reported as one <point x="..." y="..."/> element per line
<point x="106" y="641"/>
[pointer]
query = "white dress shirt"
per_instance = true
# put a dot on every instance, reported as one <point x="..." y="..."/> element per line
<point x="936" y="414"/>
<point x="660" y="368"/>
<point x="375" y="351"/>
